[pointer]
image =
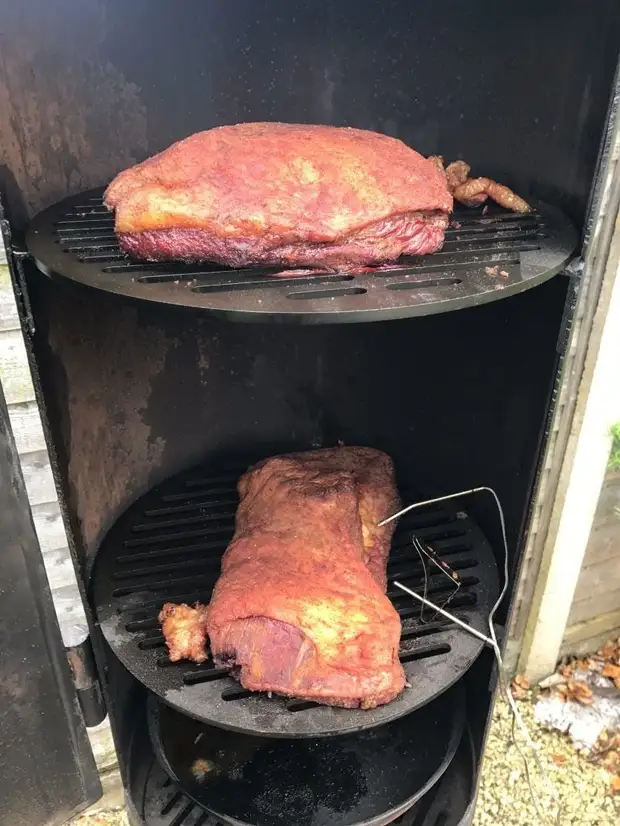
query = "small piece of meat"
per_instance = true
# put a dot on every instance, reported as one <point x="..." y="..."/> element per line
<point x="184" y="629"/>
<point x="456" y="174"/>
<point x="288" y="195"/>
<point x="473" y="192"/>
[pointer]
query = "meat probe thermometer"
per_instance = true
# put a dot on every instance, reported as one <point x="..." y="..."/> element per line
<point x="490" y="640"/>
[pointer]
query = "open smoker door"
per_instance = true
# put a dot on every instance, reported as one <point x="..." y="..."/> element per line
<point x="47" y="769"/>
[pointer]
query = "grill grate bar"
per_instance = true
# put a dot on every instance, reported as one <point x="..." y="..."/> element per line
<point x="532" y="224"/>
<point x="163" y="552"/>
<point x="218" y="503"/>
<point x="215" y="491"/>
<point x="169" y="537"/>
<point x="187" y="520"/>
<point x="403" y="551"/>
<point x="149" y="610"/>
<point x="465" y="250"/>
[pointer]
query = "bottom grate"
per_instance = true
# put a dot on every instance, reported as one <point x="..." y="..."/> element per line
<point x="168" y="546"/>
<point x="165" y="804"/>
<point x="369" y="777"/>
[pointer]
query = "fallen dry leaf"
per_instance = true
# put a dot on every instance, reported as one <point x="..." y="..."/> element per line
<point x="606" y="752"/>
<point x="614" y="784"/>
<point x="579" y="691"/>
<point x="612" y="671"/>
<point x="519" y="687"/>
<point x="558" y="759"/>
<point x="611" y="761"/>
<point x="610" y="650"/>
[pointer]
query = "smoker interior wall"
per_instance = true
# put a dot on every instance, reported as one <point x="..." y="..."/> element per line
<point x="519" y="89"/>
<point x="136" y="392"/>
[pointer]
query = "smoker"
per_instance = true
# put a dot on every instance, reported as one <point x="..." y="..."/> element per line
<point x="160" y="384"/>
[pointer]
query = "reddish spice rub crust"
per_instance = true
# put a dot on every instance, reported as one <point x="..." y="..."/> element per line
<point x="300" y="606"/>
<point x="284" y="194"/>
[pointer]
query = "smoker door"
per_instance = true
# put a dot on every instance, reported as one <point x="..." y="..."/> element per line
<point x="47" y="770"/>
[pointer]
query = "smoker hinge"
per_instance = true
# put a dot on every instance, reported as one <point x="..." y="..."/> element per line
<point x="86" y="680"/>
<point x="15" y="258"/>
<point x="21" y="291"/>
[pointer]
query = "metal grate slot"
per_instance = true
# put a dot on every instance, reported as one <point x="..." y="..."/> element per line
<point x="75" y="239"/>
<point x="453" y="266"/>
<point x="159" y="563"/>
<point x="425" y="653"/>
<point x="205" y="676"/>
<point x="257" y="282"/>
<point x="333" y="293"/>
<point x="422" y="285"/>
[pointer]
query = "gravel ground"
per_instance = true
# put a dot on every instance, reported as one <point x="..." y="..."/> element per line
<point x="505" y="799"/>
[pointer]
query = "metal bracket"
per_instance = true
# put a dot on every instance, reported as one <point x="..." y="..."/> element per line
<point x="86" y="680"/>
<point x="15" y="259"/>
<point x="574" y="272"/>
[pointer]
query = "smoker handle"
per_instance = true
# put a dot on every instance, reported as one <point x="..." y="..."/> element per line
<point x="84" y="671"/>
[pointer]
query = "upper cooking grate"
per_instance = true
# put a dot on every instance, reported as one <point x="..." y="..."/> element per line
<point x="486" y="256"/>
<point x="167" y="547"/>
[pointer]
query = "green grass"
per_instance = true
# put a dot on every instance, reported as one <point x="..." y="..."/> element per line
<point x="614" y="456"/>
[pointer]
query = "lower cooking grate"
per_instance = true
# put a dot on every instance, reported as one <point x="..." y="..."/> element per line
<point x="368" y="777"/>
<point x="167" y="547"/>
<point x="165" y="804"/>
<point x="487" y="255"/>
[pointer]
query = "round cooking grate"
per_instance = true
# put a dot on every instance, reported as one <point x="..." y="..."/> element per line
<point x="370" y="777"/>
<point x="163" y="803"/>
<point x="487" y="255"/>
<point x="167" y="547"/>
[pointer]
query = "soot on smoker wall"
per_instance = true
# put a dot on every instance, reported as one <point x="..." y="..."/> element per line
<point x="142" y="392"/>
